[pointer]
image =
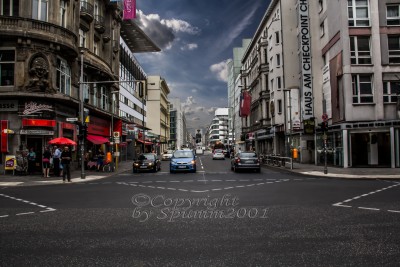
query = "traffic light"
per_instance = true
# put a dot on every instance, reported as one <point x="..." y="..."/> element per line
<point x="82" y="132"/>
<point x="323" y="126"/>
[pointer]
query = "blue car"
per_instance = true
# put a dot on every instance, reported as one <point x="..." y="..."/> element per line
<point x="182" y="160"/>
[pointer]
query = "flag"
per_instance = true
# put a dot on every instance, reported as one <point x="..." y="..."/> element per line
<point x="245" y="104"/>
<point x="129" y="9"/>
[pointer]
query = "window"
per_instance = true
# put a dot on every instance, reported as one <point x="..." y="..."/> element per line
<point x="393" y="14"/>
<point x="358" y="12"/>
<point x="360" y="51"/>
<point x="278" y="83"/>
<point x="63" y="13"/>
<point x="279" y="106"/>
<point x="39" y="9"/>
<point x="322" y="29"/>
<point x="320" y="5"/>
<point x="394" y="49"/>
<point x="390" y="91"/>
<point x="272" y="84"/>
<point x="63" y="77"/>
<point x="96" y="47"/>
<point x="103" y="98"/>
<point x="7" y="62"/>
<point x="362" y="88"/>
<point x="278" y="60"/>
<point x="277" y="38"/>
<point x="9" y="7"/>
<point x="82" y="38"/>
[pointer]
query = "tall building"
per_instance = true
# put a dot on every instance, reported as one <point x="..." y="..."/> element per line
<point x="177" y="124"/>
<point x="218" y="130"/>
<point x="234" y="88"/>
<point x="157" y="101"/>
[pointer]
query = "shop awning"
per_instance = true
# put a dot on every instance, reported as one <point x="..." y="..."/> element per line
<point x="97" y="140"/>
<point x="146" y="142"/>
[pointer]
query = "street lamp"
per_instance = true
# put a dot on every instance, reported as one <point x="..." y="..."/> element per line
<point x="82" y="115"/>
<point x="112" y="132"/>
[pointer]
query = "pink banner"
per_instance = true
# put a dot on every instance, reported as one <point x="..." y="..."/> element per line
<point x="129" y="9"/>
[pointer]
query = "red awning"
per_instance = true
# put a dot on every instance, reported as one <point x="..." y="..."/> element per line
<point x="146" y="142"/>
<point x="97" y="140"/>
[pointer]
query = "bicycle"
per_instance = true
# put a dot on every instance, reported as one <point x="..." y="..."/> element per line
<point x="108" y="167"/>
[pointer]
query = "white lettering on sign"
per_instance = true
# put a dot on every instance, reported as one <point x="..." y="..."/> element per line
<point x="33" y="107"/>
<point x="307" y="98"/>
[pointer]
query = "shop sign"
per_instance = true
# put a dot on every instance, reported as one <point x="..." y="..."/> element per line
<point x="296" y="124"/>
<point x="36" y="132"/>
<point x="11" y="163"/>
<point x="33" y="107"/>
<point x="8" y="105"/>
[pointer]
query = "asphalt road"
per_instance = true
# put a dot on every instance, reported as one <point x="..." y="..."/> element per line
<point x="212" y="218"/>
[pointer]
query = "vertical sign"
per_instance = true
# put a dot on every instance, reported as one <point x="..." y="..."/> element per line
<point x="129" y="9"/>
<point x="4" y="136"/>
<point x="305" y="52"/>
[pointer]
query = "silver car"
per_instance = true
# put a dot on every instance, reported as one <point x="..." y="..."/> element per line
<point x="167" y="155"/>
<point x="247" y="160"/>
<point x="218" y="154"/>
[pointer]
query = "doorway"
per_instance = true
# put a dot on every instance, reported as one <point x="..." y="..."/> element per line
<point x="37" y="144"/>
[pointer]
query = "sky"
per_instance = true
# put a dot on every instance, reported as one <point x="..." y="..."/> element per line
<point x="196" y="38"/>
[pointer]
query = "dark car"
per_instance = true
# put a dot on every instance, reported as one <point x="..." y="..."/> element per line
<point x="147" y="162"/>
<point x="183" y="160"/>
<point x="247" y="160"/>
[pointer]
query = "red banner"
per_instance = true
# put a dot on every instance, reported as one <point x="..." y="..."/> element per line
<point x="38" y="122"/>
<point x="4" y="136"/>
<point x="129" y="9"/>
<point x="245" y="104"/>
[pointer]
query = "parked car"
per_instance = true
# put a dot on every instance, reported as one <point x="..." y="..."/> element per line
<point x="182" y="160"/>
<point x="218" y="154"/>
<point x="147" y="162"/>
<point x="167" y="155"/>
<point x="247" y="160"/>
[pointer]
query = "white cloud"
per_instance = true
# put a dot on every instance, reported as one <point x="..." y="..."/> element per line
<point x="220" y="70"/>
<point x="163" y="31"/>
<point x="189" y="47"/>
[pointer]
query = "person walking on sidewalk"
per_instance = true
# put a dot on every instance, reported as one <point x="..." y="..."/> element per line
<point x="100" y="158"/>
<point x="46" y="162"/>
<point x="66" y="160"/>
<point x="56" y="161"/>
<point x="31" y="161"/>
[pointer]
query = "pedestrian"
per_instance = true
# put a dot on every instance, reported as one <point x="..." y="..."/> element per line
<point x="46" y="162"/>
<point x="56" y="161"/>
<point x="100" y="158"/>
<point x="31" y="161"/>
<point x="66" y="160"/>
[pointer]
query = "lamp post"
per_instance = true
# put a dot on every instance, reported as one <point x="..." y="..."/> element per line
<point x="112" y="131"/>
<point x="82" y="115"/>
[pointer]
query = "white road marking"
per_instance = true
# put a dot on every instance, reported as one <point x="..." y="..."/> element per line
<point x="339" y="204"/>
<point x="25" y="213"/>
<point x="365" y="208"/>
<point x="10" y="183"/>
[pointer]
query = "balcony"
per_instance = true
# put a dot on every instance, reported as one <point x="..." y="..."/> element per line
<point x="62" y="38"/>
<point x="86" y="11"/>
<point x="99" y="24"/>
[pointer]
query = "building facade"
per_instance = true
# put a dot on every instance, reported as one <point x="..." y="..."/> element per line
<point x="159" y="121"/>
<point x="218" y="130"/>
<point x="49" y="50"/>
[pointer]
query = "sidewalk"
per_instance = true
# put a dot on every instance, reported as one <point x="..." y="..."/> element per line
<point x="337" y="172"/>
<point x="9" y="179"/>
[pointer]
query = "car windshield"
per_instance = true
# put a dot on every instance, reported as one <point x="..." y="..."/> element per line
<point x="248" y="155"/>
<point x="168" y="152"/>
<point x="218" y="151"/>
<point x="183" y="154"/>
<point x="146" y="157"/>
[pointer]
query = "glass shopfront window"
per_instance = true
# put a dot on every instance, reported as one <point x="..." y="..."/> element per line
<point x="334" y="144"/>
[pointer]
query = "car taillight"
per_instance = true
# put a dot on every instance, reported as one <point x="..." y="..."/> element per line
<point x="237" y="160"/>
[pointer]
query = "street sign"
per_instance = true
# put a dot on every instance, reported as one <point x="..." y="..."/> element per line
<point x="72" y="119"/>
<point x="324" y="117"/>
